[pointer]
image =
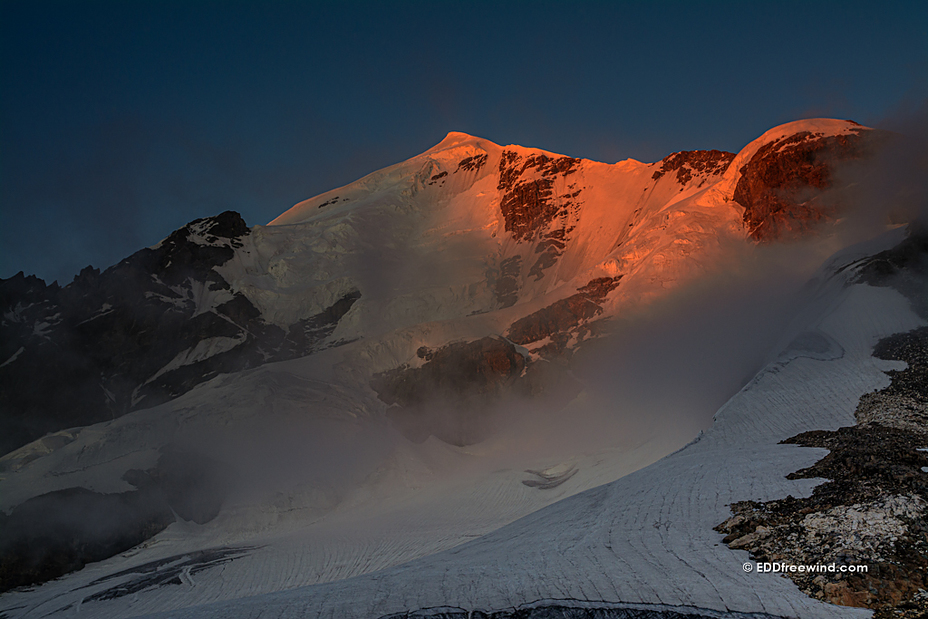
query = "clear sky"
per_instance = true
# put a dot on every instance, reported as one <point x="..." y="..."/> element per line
<point x="122" y="121"/>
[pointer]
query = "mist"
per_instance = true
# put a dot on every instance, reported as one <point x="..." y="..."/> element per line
<point x="651" y="383"/>
<point x="889" y="188"/>
<point x="664" y="367"/>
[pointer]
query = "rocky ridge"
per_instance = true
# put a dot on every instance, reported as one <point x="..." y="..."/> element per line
<point x="781" y="186"/>
<point x="712" y="163"/>
<point x="144" y="331"/>
<point x="872" y="511"/>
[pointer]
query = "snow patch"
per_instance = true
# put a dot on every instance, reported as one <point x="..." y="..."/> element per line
<point x="204" y="349"/>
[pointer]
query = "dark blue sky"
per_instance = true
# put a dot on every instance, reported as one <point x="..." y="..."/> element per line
<point x="121" y="121"/>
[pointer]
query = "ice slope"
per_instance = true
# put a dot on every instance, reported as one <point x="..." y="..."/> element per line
<point x="644" y="539"/>
<point x="647" y="537"/>
<point x="389" y="502"/>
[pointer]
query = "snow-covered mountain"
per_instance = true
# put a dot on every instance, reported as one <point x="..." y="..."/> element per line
<point x="311" y="417"/>
<point x="467" y="240"/>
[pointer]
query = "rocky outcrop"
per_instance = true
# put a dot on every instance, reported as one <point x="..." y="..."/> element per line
<point x="780" y="187"/>
<point x="873" y="512"/>
<point x="577" y="609"/>
<point x="904" y="404"/>
<point x="705" y="163"/>
<point x="450" y="394"/>
<point x="507" y="284"/>
<point x="904" y="267"/>
<point x="559" y="319"/>
<point x="472" y="164"/>
<point x="140" y="333"/>
<point x="531" y="209"/>
<point x="526" y="186"/>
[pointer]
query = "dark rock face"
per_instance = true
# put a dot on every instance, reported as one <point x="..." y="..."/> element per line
<point x="448" y="394"/>
<point x="438" y="178"/>
<point x="472" y="164"/>
<point x="911" y="347"/>
<point x="561" y="317"/>
<point x="528" y="205"/>
<point x="904" y="404"/>
<point x="547" y="259"/>
<point x="507" y="284"/>
<point x="865" y="461"/>
<point x="701" y="162"/>
<point x="780" y="186"/>
<point x="112" y="342"/>
<point x="531" y="210"/>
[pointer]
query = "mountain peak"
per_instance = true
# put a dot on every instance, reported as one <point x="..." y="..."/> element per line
<point x="456" y="138"/>
<point x="772" y="177"/>
<point x="824" y="126"/>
